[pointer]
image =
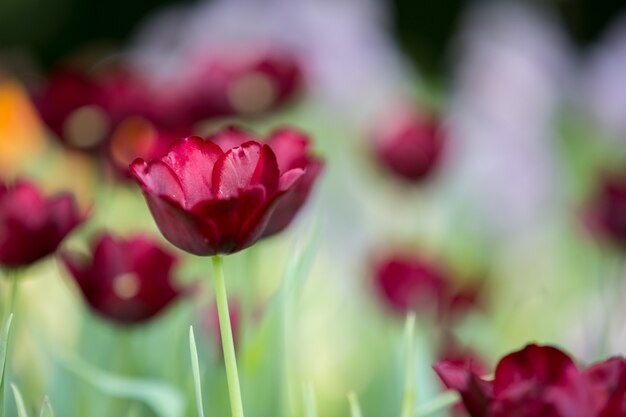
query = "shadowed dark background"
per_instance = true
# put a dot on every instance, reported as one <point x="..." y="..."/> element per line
<point x="51" y="29"/>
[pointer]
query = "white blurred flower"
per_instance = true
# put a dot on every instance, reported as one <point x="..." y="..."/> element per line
<point x="512" y="67"/>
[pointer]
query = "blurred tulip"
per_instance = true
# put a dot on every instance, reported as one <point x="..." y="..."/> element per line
<point x="73" y="106"/>
<point x="608" y="380"/>
<point x="127" y="280"/>
<point x="606" y="215"/>
<point x="406" y="282"/>
<point x="540" y="381"/>
<point x="209" y="202"/>
<point x="291" y="148"/>
<point x="31" y="225"/>
<point x="245" y="83"/>
<point x="328" y="47"/>
<point x="409" y="144"/>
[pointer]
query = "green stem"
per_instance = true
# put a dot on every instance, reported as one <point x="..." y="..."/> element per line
<point x="228" y="345"/>
<point x="408" y="403"/>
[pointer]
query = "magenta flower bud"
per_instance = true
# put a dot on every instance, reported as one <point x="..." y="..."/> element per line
<point x="540" y="381"/>
<point x="408" y="282"/>
<point x="606" y="214"/>
<point x="409" y="144"/>
<point x="31" y="225"/>
<point x="74" y="106"/>
<point x="127" y="280"/>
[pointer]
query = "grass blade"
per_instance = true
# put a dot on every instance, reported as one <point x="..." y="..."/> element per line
<point x="4" y="344"/>
<point x="19" y="402"/>
<point x="195" y="367"/>
<point x="46" y="408"/>
<point x="163" y="399"/>
<point x="309" y="401"/>
<point x="408" y="402"/>
<point x="443" y="401"/>
<point x="355" y="408"/>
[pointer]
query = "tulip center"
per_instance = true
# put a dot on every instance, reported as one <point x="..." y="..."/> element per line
<point x="126" y="286"/>
<point x="86" y="127"/>
<point x="252" y="93"/>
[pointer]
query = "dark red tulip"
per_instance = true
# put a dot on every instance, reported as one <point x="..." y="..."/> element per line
<point x="406" y="282"/>
<point x="292" y="150"/>
<point x="207" y="201"/>
<point x="540" y="381"/>
<point x="243" y="82"/>
<point x="127" y="280"/>
<point x="128" y="95"/>
<point x="409" y="144"/>
<point x="74" y="107"/>
<point x="608" y="380"/>
<point x="607" y="212"/>
<point x="31" y="225"/>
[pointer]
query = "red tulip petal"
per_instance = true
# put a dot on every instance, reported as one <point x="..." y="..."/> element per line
<point x="608" y="379"/>
<point x="158" y="178"/>
<point x="24" y="204"/>
<point x="63" y="213"/>
<point x="182" y="228"/>
<point x="256" y="224"/>
<point x="290" y="178"/>
<point x="244" y="167"/>
<point x="230" y="216"/>
<point x="291" y="148"/>
<point x="475" y="392"/>
<point x="192" y="160"/>
<point x="294" y="199"/>
<point x="542" y="363"/>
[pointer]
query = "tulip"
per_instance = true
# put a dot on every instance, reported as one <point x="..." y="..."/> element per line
<point x="74" y="106"/>
<point x="127" y="280"/>
<point x="407" y="282"/>
<point x="409" y="144"/>
<point x="540" y="381"/>
<point x="244" y="82"/>
<point x="207" y="201"/>
<point x="31" y="225"/>
<point x="607" y="212"/>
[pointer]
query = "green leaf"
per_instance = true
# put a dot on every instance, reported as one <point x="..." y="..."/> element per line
<point x="355" y="408"/>
<point x="195" y="367"/>
<point x="19" y="402"/>
<point x="46" y="408"/>
<point x="165" y="400"/>
<point x="443" y="401"/>
<point x="4" y="343"/>
<point x="133" y="411"/>
<point x="309" y="401"/>
<point x="408" y="402"/>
